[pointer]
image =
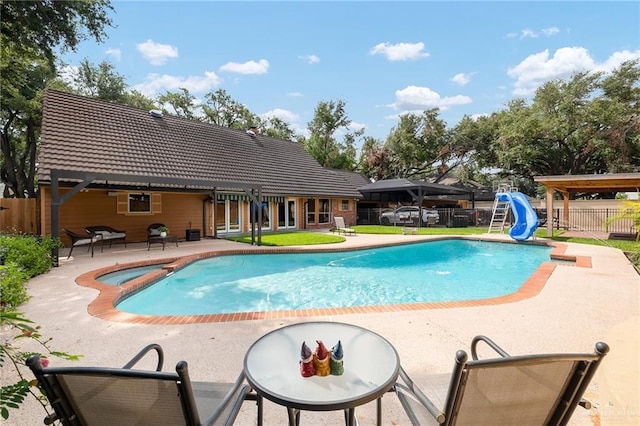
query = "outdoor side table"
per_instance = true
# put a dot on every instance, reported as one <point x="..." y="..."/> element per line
<point x="161" y="240"/>
<point x="371" y="367"/>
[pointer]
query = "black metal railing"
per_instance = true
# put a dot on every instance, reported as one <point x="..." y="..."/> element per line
<point x="600" y="220"/>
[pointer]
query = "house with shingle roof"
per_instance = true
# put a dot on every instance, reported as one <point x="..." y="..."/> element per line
<point x="127" y="168"/>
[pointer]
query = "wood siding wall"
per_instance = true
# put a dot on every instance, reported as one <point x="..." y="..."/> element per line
<point x="176" y="210"/>
<point x="97" y="207"/>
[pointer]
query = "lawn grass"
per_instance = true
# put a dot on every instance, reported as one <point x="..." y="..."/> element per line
<point x="302" y="238"/>
<point x="381" y="229"/>
<point x="292" y="239"/>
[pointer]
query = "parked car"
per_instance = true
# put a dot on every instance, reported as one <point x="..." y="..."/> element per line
<point x="408" y="215"/>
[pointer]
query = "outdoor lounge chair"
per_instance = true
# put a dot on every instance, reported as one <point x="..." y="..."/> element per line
<point x="109" y="234"/>
<point x="509" y="390"/>
<point x="154" y="236"/>
<point x="126" y="396"/>
<point x="81" y="240"/>
<point x="342" y="228"/>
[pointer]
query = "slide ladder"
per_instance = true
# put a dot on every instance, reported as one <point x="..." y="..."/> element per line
<point x="501" y="208"/>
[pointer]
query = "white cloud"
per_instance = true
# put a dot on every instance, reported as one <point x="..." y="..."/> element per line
<point x="283" y="114"/>
<point x="357" y="126"/>
<point x="529" y="33"/>
<point x="249" y="67"/>
<point x="400" y="51"/>
<point x="550" y="31"/>
<point x="461" y="78"/>
<point x="616" y="59"/>
<point x="295" y="94"/>
<point x="540" y="67"/>
<point x="115" y="53"/>
<point x="156" y="53"/>
<point x="289" y="117"/>
<point x="156" y="83"/>
<point x="414" y="98"/>
<point x="68" y="73"/>
<point x="310" y="59"/>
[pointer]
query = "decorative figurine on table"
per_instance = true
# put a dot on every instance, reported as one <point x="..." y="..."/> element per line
<point x="321" y="360"/>
<point x="306" y="361"/>
<point x="337" y="366"/>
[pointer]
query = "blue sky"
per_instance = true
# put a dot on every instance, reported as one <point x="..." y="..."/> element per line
<point x="382" y="58"/>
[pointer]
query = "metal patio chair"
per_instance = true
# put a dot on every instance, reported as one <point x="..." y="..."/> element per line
<point x="108" y="234"/>
<point x="509" y="390"/>
<point x="95" y="396"/>
<point x="82" y="240"/>
<point x="341" y="227"/>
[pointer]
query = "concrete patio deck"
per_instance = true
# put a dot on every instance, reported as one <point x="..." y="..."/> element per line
<point x="577" y="307"/>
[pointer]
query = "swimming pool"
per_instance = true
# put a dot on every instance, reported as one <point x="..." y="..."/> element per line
<point x="448" y="270"/>
<point x="126" y="275"/>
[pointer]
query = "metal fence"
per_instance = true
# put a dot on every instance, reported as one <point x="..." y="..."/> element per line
<point x="579" y="219"/>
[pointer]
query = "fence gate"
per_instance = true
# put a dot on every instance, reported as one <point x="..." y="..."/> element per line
<point x="19" y="215"/>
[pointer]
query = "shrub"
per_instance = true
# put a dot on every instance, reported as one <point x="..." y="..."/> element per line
<point x="30" y="253"/>
<point x="20" y="328"/>
<point x="21" y="258"/>
<point x="12" y="280"/>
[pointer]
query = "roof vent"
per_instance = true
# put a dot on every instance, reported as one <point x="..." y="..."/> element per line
<point x="156" y="113"/>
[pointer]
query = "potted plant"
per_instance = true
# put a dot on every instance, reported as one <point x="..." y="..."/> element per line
<point x="163" y="231"/>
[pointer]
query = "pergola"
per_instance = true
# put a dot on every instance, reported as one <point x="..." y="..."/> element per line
<point x="407" y="190"/>
<point x="84" y="179"/>
<point x="568" y="184"/>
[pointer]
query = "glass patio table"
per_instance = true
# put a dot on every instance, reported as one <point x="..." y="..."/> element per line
<point x="371" y="365"/>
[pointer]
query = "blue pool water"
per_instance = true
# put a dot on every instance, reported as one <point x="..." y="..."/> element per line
<point x="447" y="270"/>
<point x="122" y="276"/>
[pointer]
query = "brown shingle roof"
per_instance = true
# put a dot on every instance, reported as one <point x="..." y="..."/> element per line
<point x="91" y="135"/>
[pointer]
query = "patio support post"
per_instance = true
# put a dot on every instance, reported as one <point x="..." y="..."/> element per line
<point x="55" y="218"/>
<point x="215" y="213"/>
<point x="565" y="215"/>
<point x="549" y="205"/>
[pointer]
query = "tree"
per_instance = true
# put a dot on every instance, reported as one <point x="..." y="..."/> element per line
<point x="416" y="144"/>
<point x="329" y="117"/>
<point x="471" y="145"/>
<point x="182" y="103"/>
<point x="101" y="81"/>
<point x="224" y="111"/>
<point x="42" y="26"/>
<point x="584" y="125"/>
<point x="29" y="34"/>
<point x="22" y="79"/>
<point x="278" y="128"/>
<point x="374" y="161"/>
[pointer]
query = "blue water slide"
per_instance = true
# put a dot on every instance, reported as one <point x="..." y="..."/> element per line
<point x="525" y="218"/>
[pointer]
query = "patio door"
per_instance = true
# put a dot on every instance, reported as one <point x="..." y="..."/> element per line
<point x="228" y="216"/>
<point x="287" y="215"/>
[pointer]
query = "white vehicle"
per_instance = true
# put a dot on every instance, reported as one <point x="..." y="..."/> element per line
<point x="409" y="215"/>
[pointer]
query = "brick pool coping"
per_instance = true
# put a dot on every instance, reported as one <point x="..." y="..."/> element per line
<point x="103" y="306"/>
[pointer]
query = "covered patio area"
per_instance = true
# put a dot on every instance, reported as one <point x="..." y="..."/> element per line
<point x="571" y="184"/>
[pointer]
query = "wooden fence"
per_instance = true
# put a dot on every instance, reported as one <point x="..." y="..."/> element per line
<point x="19" y="215"/>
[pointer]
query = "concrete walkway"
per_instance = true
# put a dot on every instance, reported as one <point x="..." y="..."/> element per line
<point x="577" y="307"/>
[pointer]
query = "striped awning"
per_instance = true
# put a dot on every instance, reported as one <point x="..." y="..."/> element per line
<point x="245" y="197"/>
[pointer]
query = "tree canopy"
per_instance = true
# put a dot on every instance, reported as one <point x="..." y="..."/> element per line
<point x="588" y="123"/>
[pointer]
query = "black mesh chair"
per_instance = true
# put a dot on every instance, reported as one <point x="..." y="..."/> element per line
<point x="94" y="396"/>
<point x="82" y="240"/>
<point x="508" y="390"/>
